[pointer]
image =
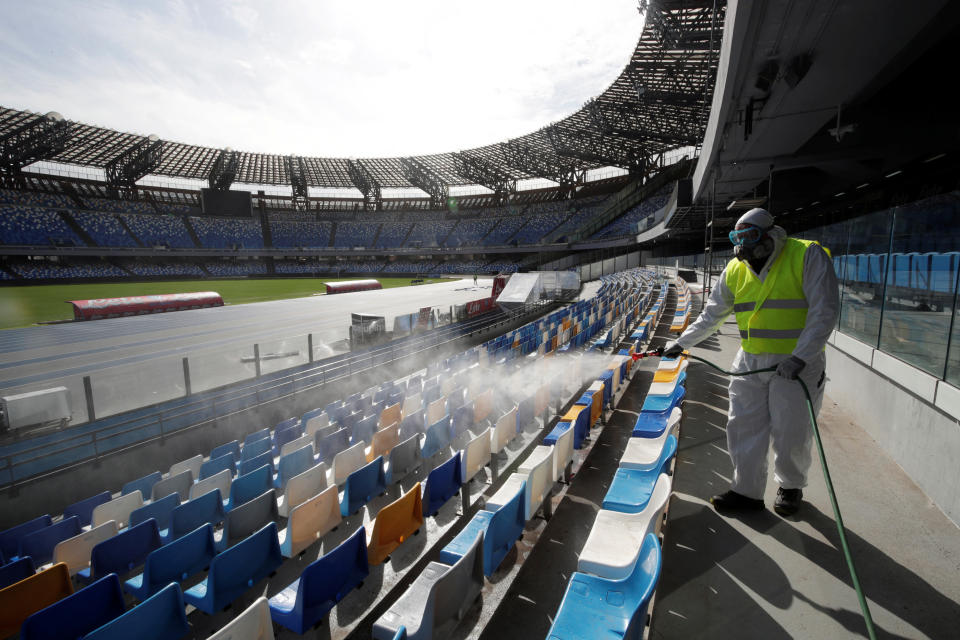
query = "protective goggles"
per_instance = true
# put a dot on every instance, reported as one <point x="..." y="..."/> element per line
<point x="746" y="237"/>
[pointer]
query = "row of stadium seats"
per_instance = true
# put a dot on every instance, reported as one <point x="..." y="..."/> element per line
<point x="313" y="470"/>
<point x="626" y="224"/>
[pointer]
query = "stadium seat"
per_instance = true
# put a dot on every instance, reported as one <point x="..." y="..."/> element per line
<point x="285" y="435"/>
<point x="75" y="551"/>
<point x="643" y="454"/>
<point x="462" y="419"/>
<point x="437" y="600"/>
<point x="443" y="482"/>
<point x="301" y="488"/>
<point x="249" y="486"/>
<point x="615" y="539"/>
<point x="579" y="416"/>
<point x="261" y="460"/>
<point x="362" y="486"/>
<point x="597" y="607"/>
<point x="415" y="423"/>
<point x="663" y="405"/>
<point x="504" y="431"/>
<point x="232" y="448"/>
<point x="10" y="538"/>
<point x="298" y="443"/>
<point x="213" y="466"/>
<point x="204" y="509"/>
<point x="123" y="552"/>
<point x="160" y="617"/>
<point x="253" y="624"/>
<point x="309" y="521"/>
<point x="500" y="529"/>
<point x="160" y="510"/>
<point x="24" y="598"/>
<point x="190" y="464"/>
<point x="537" y="482"/>
<point x="653" y="425"/>
<point x="17" y="570"/>
<point x="483" y="405"/>
<point x="256" y="435"/>
<point x="390" y="414"/>
<point x="248" y="518"/>
<point x="437" y="438"/>
<point x="329" y="446"/>
<point x="315" y="423"/>
<point x="118" y="510"/>
<point x="84" y="508"/>
<point x="144" y="485"/>
<point x="78" y="613"/>
<point x="177" y="561"/>
<point x="39" y="544"/>
<point x="394" y="523"/>
<point x="436" y="410"/>
<point x="383" y="441"/>
<point x="475" y="456"/>
<point x="403" y="459"/>
<point x="631" y="488"/>
<point x="236" y="570"/>
<point x="178" y="485"/>
<point x="293" y="464"/>
<point x="220" y="481"/>
<point x="346" y="462"/>
<point x="411" y="404"/>
<point x="256" y="449"/>
<point x="324" y="583"/>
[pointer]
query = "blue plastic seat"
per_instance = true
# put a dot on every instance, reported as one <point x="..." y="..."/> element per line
<point x="160" y="617"/>
<point x="412" y="424"/>
<point x="123" y="552"/>
<point x="249" y="486"/>
<point x="443" y="482"/>
<point x="205" y="509"/>
<point x="10" y="539"/>
<point x="595" y="607"/>
<point x="177" y="561"/>
<point x="160" y="510"/>
<point x="84" y="508"/>
<point x="651" y="424"/>
<point x="144" y="485"/>
<point x="256" y="435"/>
<point x="255" y="449"/>
<point x="607" y="378"/>
<point x="213" y="466"/>
<point x="500" y="529"/>
<point x="631" y="488"/>
<point x="78" y="614"/>
<point x="364" y="429"/>
<point x="293" y="464"/>
<point x="362" y="486"/>
<point x="551" y="438"/>
<point x="236" y="570"/>
<point x="462" y="418"/>
<point x="16" y="571"/>
<point x="437" y="437"/>
<point x="39" y="544"/>
<point x="329" y="446"/>
<point x="661" y="404"/>
<point x="285" y="435"/>
<point x="264" y="459"/>
<point x="283" y="425"/>
<point x="248" y="518"/>
<point x="324" y="583"/>
<point x="232" y="447"/>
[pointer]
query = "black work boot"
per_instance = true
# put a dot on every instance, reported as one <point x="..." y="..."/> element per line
<point x="733" y="501"/>
<point x="788" y="501"/>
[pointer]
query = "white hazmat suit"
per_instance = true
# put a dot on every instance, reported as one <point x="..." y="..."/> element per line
<point x="766" y="405"/>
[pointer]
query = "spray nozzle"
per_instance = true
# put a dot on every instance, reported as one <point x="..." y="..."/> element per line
<point x="658" y="352"/>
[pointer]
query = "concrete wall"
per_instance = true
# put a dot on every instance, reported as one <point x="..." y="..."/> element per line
<point x="909" y="413"/>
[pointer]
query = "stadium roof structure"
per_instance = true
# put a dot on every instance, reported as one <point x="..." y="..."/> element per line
<point x="660" y="102"/>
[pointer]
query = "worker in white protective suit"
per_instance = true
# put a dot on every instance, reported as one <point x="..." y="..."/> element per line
<point x="786" y="300"/>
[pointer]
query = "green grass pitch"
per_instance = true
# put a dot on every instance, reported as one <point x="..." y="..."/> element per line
<point x="23" y="306"/>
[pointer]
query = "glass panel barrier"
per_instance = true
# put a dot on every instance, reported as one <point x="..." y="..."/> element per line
<point x="864" y="273"/>
<point x="212" y="369"/>
<point x="276" y="355"/>
<point x="128" y="387"/>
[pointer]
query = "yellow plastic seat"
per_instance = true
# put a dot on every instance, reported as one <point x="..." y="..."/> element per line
<point x="24" y="598"/>
<point x="394" y="524"/>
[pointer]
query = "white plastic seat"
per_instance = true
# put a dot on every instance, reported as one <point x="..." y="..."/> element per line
<point x="253" y="624"/>
<point x="193" y="464"/>
<point x="309" y="521"/>
<point x="504" y="431"/>
<point x="411" y="405"/>
<point x="475" y="456"/>
<point x="615" y="539"/>
<point x="316" y="423"/>
<point x="220" y="480"/>
<point x="564" y="453"/>
<point x="75" y="551"/>
<point x="436" y="410"/>
<point x="663" y="388"/>
<point x="346" y="462"/>
<point x="301" y="488"/>
<point x="118" y="510"/>
<point x="506" y="492"/>
<point x="536" y="457"/>
<point x="298" y="443"/>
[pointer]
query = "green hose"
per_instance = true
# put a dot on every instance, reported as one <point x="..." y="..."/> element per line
<point x="867" y="618"/>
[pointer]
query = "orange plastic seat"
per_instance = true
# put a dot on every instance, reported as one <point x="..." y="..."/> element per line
<point x="21" y="599"/>
<point x="390" y="415"/>
<point x="395" y="523"/>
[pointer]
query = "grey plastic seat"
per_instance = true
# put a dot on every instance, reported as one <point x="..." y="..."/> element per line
<point x="301" y="488"/>
<point x="437" y="600"/>
<point x="220" y="480"/>
<point x="248" y="518"/>
<point x="179" y="484"/>
<point x="403" y="458"/>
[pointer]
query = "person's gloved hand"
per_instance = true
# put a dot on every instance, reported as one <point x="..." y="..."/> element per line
<point x="791" y="368"/>
<point x="673" y="350"/>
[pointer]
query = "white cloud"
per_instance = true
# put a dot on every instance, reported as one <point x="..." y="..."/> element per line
<point x="316" y="78"/>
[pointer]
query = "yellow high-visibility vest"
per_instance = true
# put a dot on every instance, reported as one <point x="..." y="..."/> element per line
<point x="771" y="314"/>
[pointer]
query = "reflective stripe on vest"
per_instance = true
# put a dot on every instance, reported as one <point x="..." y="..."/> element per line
<point x="771" y="314"/>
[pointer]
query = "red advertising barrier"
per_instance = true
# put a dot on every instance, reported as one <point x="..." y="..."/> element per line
<point x="476" y="307"/>
<point x="140" y="305"/>
<point x="352" y="285"/>
<point x="498" y="284"/>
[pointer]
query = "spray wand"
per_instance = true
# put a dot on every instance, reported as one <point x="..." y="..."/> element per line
<point x="864" y="608"/>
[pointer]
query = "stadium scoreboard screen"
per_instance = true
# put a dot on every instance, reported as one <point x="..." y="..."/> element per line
<point x="231" y="204"/>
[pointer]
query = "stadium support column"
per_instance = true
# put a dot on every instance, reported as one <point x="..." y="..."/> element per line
<point x="488" y="174"/>
<point x="423" y="177"/>
<point x="365" y="182"/>
<point x="133" y="163"/>
<point x="297" y="169"/>
<point x="33" y="139"/>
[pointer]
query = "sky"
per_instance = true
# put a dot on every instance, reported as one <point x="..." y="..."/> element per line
<point x="353" y="79"/>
